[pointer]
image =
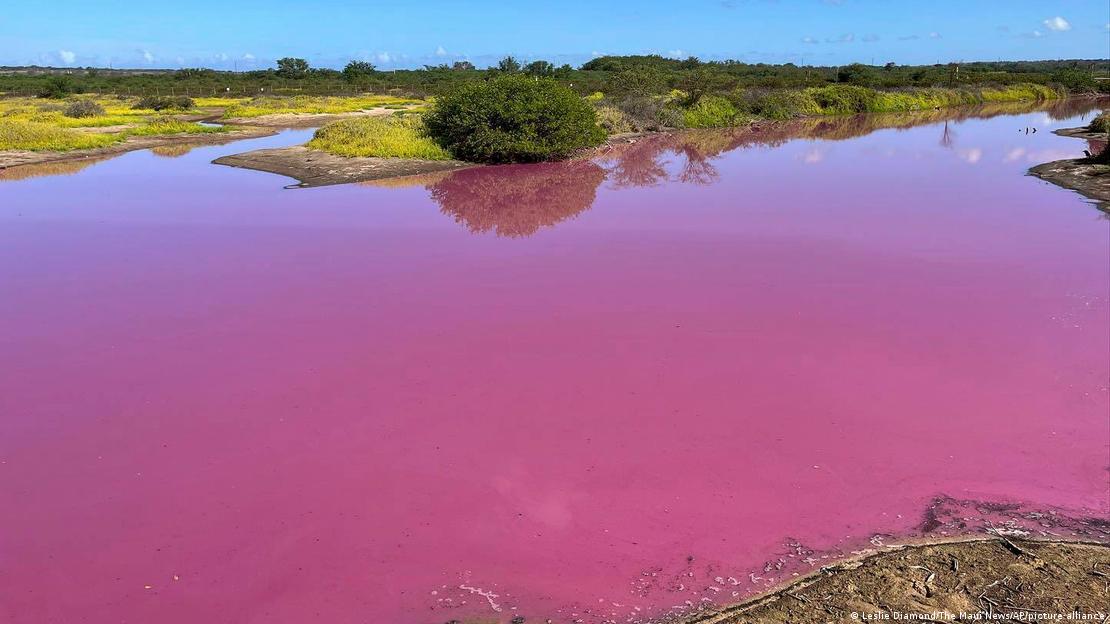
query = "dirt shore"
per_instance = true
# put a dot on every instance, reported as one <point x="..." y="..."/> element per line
<point x="1087" y="179"/>
<point x="316" y="168"/>
<point x="16" y="158"/>
<point x="993" y="578"/>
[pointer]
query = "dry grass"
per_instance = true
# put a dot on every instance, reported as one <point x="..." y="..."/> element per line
<point x="303" y="104"/>
<point x="35" y="125"/>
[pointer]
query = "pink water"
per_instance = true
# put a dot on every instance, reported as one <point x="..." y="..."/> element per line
<point x="602" y="392"/>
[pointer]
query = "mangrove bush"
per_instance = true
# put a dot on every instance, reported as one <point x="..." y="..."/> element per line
<point x="513" y="118"/>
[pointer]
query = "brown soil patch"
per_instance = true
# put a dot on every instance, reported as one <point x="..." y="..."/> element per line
<point x="17" y="158"/>
<point x="317" y="168"/>
<point x="978" y="580"/>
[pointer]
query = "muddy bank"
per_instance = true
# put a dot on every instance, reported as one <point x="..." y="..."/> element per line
<point x="1086" y="178"/>
<point x="16" y="158"/>
<point x="317" y="168"/>
<point x="940" y="582"/>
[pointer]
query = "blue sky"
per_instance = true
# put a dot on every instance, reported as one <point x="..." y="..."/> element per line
<point x="249" y="34"/>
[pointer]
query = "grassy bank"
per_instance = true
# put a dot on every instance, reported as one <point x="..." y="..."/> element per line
<point x="49" y="125"/>
<point x="385" y="137"/>
<point x="744" y="106"/>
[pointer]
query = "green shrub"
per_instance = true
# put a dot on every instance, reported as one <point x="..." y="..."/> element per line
<point x="163" y="102"/>
<point x="57" y="87"/>
<point x="712" y="111"/>
<point x="1075" y="80"/>
<point x="637" y="82"/>
<point x="776" y="104"/>
<point x="81" y="109"/>
<point x="842" y="99"/>
<point x="384" y="137"/>
<point x="513" y="118"/>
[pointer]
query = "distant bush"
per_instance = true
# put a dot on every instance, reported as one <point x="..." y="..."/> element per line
<point x="57" y="87"/>
<point x="80" y="109"/>
<point x="358" y="69"/>
<point x="290" y="67"/>
<point x="1075" y="80"/>
<point x="637" y="82"/>
<point x="161" y="103"/>
<point x="513" y="118"/>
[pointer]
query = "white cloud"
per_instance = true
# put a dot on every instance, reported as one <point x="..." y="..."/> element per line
<point x="383" y="57"/>
<point x="808" y="40"/>
<point x="67" y="56"/>
<point x="147" y="56"/>
<point x="248" y="57"/>
<point x="845" y="38"/>
<point x="676" y="53"/>
<point x="1057" y="24"/>
<point x="934" y="35"/>
<point x="813" y="156"/>
<point x="870" y="38"/>
<point x="972" y="155"/>
<point x="908" y="38"/>
<point x="440" y="51"/>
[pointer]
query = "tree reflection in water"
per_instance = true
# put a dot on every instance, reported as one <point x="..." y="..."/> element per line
<point x="519" y="200"/>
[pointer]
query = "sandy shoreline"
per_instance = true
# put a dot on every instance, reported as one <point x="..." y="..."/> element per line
<point x="316" y="168"/>
<point x="941" y="579"/>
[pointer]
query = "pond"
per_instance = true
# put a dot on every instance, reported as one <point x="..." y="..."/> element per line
<point x="603" y="391"/>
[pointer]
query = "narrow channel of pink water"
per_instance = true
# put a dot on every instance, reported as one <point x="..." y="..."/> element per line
<point x="541" y="390"/>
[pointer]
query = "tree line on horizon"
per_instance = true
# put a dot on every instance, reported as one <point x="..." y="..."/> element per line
<point x="633" y="73"/>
